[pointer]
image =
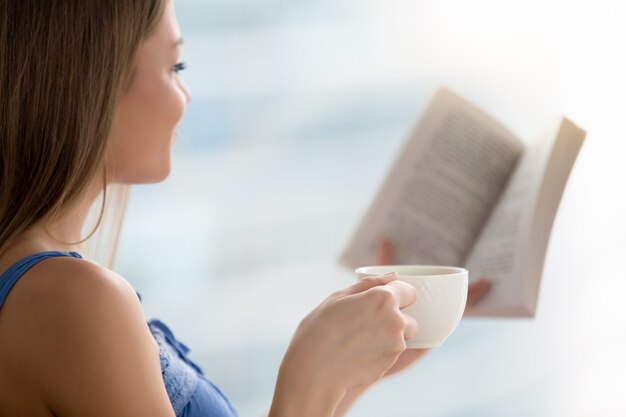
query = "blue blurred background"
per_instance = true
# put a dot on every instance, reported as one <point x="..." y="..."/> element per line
<point x="299" y="107"/>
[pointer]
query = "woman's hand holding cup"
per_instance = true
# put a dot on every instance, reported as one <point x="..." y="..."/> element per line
<point x="351" y="339"/>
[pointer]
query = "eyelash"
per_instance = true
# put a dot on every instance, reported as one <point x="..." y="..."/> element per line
<point x="181" y="66"/>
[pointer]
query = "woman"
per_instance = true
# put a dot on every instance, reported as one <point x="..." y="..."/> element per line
<point x="90" y="95"/>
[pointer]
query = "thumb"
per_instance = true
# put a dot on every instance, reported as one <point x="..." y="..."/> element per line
<point x="366" y="283"/>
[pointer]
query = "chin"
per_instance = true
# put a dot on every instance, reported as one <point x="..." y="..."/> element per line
<point x="161" y="176"/>
<point x="149" y="177"/>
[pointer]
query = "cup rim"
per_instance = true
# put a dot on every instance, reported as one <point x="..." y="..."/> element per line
<point x="443" y="270"/>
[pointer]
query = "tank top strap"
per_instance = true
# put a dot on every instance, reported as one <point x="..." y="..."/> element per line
<point x="10" y="277"/>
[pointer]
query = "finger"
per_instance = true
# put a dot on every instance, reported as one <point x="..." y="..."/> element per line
<point x="411" y="326"/>
<point x="405" y="294"/>
<point x="385" y="253"/>
<point x="477" y="291"/>
<point x="366" y="283"/>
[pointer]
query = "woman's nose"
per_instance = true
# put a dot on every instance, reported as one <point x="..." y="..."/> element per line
<point x="186" y="91"/>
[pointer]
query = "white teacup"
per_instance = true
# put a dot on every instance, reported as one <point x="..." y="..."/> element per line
<point x="441" y="298"/>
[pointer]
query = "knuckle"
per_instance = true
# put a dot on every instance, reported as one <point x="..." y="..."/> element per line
<point x="397" y="324"/>
<point x="413" y="329"/>
<point x="398" y="346"/>
<point x="407" y="289"/>
<point x="415" y="326"/>
<point x="401" y="346"/>
<point x="383" y="297"/>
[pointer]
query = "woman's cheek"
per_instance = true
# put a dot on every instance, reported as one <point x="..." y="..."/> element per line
<point x="175" y="107"/>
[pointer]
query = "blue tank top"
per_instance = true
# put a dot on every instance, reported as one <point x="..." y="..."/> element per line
<point x="191" y="394"/>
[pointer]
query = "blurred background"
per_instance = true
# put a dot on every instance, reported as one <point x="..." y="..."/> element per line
<point x="299" y="107"/>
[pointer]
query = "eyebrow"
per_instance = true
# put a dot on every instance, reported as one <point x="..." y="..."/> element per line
<point x="178" y="42"/>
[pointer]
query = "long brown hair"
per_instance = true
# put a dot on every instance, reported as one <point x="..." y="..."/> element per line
<point x="64" y="64"/>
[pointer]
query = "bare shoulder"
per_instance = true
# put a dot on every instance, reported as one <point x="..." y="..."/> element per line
<point x="64" y="296"/>
<point x="78" y="334"/>
<point x="65" y="282"/>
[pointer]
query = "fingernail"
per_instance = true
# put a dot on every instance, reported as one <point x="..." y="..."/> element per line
<point x="390" y="274"/>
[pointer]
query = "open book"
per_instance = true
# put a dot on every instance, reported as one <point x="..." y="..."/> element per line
<point x="464" y="191"/>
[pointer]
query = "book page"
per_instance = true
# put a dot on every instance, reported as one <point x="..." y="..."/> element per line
<point x="441" y="189"/>
<point x="511" y="249"/>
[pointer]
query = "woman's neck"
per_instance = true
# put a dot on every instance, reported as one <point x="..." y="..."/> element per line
<point x="62" y="234"/>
